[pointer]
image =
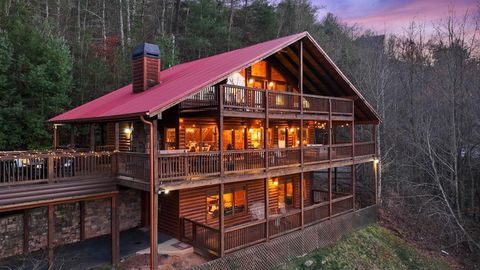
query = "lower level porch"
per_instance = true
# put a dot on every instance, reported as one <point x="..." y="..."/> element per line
<point x="216" y="225"/>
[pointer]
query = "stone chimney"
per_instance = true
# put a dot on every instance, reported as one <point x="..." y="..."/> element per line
<point x="145" y="66"/>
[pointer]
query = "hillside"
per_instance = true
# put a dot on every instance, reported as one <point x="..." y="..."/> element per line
<point x="373" y="247"/>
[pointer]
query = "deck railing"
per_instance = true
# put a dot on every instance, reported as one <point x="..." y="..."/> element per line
<point x="240" y="98"/>
<point x="283" y="157"/>
<point x="134" y="165"/>
<point x="341" y="151"/>
<point x="200" y="235"/>
<point x="284" y="223"/>
<point x="315" y="213"/>
<point x="313" y="154"/>
<point x="243" y="98"/>
<point x="243" y="160"/>
<point x="315" y="104"/>
<point x="29" y="167"/>
<point x="206" y="98"/>
<point x="283" y="101"/>
<point x="364" y="148"/>
<point x="43" y="167"/>
<point x="244" y="235"/>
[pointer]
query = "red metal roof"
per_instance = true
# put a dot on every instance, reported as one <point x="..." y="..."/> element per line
<point x="176" y="83"/>
<point x="182" y="80"/>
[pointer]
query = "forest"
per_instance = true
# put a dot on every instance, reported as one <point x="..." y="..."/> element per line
<point x="425" y="85"/>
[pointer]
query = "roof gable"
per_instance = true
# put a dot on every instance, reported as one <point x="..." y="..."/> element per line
<point x="185" y="79"/>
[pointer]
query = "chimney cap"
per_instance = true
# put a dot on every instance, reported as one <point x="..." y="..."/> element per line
<point x="146" y="49"/>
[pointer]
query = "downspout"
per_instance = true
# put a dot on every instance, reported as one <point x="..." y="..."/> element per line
<point x="153" y="193"/>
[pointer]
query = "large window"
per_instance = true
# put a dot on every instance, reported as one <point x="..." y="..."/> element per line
<point x="234" y="203"/>
<point x="285" y="194"/>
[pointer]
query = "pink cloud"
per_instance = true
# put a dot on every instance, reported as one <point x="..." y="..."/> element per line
<point x="395" y="16"/>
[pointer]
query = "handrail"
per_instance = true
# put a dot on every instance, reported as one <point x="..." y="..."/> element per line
<point x="245" y="225"/>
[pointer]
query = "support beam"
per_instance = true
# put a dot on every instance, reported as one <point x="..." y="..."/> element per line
<point x="50" y="235"/>
<point x="330" y="138"/>
<point x="266" y="209"/>
<point x="117" y="136"/>
<point x="115" y="231"/>
<point x="26" y="233"/>
<point x="82" y="220"/>
<point x="72" y="136"/>
<point x="302" y="186"/>
<point x="352" y="134"/>
<point x="92" y="137"/>
<point x="55" y="136"/>
<point x="222" y="221"/>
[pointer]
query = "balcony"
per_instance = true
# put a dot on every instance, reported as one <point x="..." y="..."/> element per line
<point x="239" y="99"/>
<point x="184" y="165"/>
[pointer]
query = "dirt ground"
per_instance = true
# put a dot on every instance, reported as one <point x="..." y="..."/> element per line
<point x="141" y="262"/>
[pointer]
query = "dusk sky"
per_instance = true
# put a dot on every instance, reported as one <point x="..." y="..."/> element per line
<point x="391" y="16"/>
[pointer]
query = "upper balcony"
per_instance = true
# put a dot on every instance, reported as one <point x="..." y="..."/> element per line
<point x="255" y="102"/>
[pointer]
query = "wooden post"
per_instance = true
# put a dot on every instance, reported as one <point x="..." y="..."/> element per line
<point x="50" y="170"/>
<point x="220" y="130"/>
<point x="114" y="222"/>
<point x="265" y="130"/>
<point x="222" y="220"/>
<point x="25" y="231"/>
<point x="92" y="137"/>
<point x="50" y="235"/>
<point x="72" y="136"/>
<point x="82" y="220"/>
<point x="117" y="136"/>
<point x="267" y="226"/>
<point x="222" y="172"/>
<point x="330" y="137"/>
<point x="353" y="173"/>
<point x="302" y="186"/>
<point x="55" y="136"/>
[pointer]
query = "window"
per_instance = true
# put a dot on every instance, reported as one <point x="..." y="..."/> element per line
<point x="212" y="206"/>
<point x="234" y="203"/>
<point x="285" y="194"/>
<point x="170" y="139"/>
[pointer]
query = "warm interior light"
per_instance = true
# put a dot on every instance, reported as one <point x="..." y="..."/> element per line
<point x="127" y="130"/>
<point x="270" y="84"/>
<point x="250" y="81"/>
<point x="292" y="129"/>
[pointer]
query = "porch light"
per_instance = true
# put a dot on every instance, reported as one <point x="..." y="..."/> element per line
<point x="270" y="84"/>
<point x="128" y="130"/>
<point x="376" y="161"/>
<point x="250" y="81"/>
<point x="164" y="191"/>
<point x="292" y="130"/>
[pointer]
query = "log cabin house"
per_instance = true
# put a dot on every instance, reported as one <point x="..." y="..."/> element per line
<point x="222" y="153"/>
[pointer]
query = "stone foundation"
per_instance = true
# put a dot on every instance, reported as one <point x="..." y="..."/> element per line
<point x="67" y="223"/>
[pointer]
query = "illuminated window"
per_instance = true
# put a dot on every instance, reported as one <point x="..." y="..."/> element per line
<point x="285" y="194"/>
<point x="256" y="137"/>
<point x="212" y="206"/>
<point x="234" y="203"/>
<point x="259" y="69"/>
<point x="170" y="139"/>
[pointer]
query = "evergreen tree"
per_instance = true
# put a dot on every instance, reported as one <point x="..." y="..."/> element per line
<point x="35" y="81"/>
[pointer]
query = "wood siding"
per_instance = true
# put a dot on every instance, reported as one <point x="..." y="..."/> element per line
<point x="168" y="213"/>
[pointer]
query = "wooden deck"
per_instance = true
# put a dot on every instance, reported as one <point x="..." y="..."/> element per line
<point x="206" y="239"/>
